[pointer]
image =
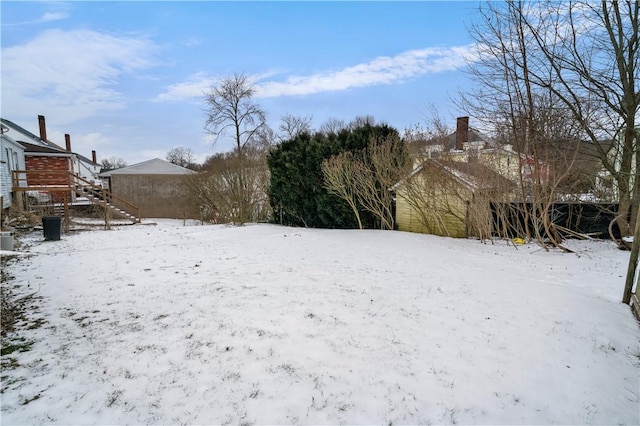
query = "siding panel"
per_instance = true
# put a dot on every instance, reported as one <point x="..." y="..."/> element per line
<point x="157" y="196"/>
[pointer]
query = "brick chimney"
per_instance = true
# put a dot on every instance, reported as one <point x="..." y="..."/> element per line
<point x="94" y="158"/>
<point x="43" y="128"/>
<point x="462" y="132"/>
<point x="67" y="140"/>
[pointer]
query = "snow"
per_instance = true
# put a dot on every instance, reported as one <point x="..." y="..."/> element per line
<point x="173" y="324"/>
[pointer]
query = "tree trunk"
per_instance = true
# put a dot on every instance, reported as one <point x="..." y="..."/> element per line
<point x="633" y="263"/>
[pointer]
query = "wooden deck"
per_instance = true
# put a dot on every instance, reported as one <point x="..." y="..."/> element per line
<point x="67" y="188"/>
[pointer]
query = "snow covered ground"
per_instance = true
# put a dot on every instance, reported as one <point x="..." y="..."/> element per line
<point x="172" y="324"/>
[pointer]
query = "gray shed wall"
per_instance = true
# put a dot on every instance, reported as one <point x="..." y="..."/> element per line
<point x="157" y="196"/>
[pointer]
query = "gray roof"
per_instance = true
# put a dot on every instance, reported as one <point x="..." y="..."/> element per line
<point x="36" y="139"/>
<point x="37" y="145"/>
<point x="473" y="175"/>
<point x="33" y="148"/>
<point x="473" y="136"/>
<point x="155" y="166"/>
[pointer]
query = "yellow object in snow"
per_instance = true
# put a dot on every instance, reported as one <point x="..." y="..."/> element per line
<point x="518" y="241"/>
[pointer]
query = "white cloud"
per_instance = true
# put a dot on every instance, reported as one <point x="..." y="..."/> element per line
<point x="195" y="87"/>
<point x="381" y="70"/>
<point x="83" y="143"/>
<point x="46" y="17"/>
<point x="71" y="72"/>
<point x="53" y="16"/>
<point x="198" y="84"/>
<point x="193" y="41"/>
<point x="200" y="158"/>
<point x="92" y="141"/>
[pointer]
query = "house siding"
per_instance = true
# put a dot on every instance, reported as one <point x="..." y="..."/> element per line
<point x="407" y="218"/>
<point x="504" y="162"/>
<point x="443" y="214"/>
<point x="12" y="158"/>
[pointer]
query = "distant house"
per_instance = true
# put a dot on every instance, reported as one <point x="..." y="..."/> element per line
<point x="593" y="181"/>
<point x="466" y="145"/>
<point x="156" y="187"/>
<point x="448" y="192"/>
<point x="449" y="198"/>
<point x="46" y="155"/>
<point x="50" y="164"/>
<point x="37" y="172"/>
<point x="457" y="179"/>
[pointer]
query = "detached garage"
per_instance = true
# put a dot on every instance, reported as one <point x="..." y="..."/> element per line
<point x="156" y="187"/>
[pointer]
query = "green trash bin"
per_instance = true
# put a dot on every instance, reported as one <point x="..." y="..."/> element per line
<point x="51" y="227"/>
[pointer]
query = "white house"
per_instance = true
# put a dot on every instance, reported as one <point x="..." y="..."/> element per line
<point x="11" y="158"/>
<point x="78" y="164"/>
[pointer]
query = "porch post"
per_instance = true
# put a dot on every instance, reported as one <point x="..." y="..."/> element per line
<point x="66" y="212"/>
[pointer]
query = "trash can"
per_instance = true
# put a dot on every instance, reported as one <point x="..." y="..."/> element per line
<point x="51" y="227"/>
<point x="6" y="241"/>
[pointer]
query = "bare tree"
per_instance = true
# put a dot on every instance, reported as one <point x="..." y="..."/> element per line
<point x="429" y="139"/>
<point x="231" y="108"/>
<point x="361" y="121"/>
<point x="332" y="126"/>
<point x="527" y="115"/>
<point x="264" y="138"/>
<point x="584" y="57"/>
<point x="339" y="174"/>
<point x="293" y="125"/>
<point x="364" y="179"/>
<point x="594" y="72"/>
<point x="112" y="163"/>
<point x="181" y="156"/>
<point x="384" y="164"/>
<point x="230" y="190"/>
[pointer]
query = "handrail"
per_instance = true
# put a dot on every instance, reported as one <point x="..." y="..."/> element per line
<point x="66" y="180"/>
<point x="99" y="192"/>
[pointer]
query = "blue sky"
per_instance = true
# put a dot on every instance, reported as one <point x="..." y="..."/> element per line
<point x="127" y="79"/>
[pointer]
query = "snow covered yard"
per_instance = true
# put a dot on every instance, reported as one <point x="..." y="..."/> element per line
<point x="173" y="324"/>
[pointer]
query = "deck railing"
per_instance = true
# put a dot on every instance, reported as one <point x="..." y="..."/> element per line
<point x="65" y="182"/>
